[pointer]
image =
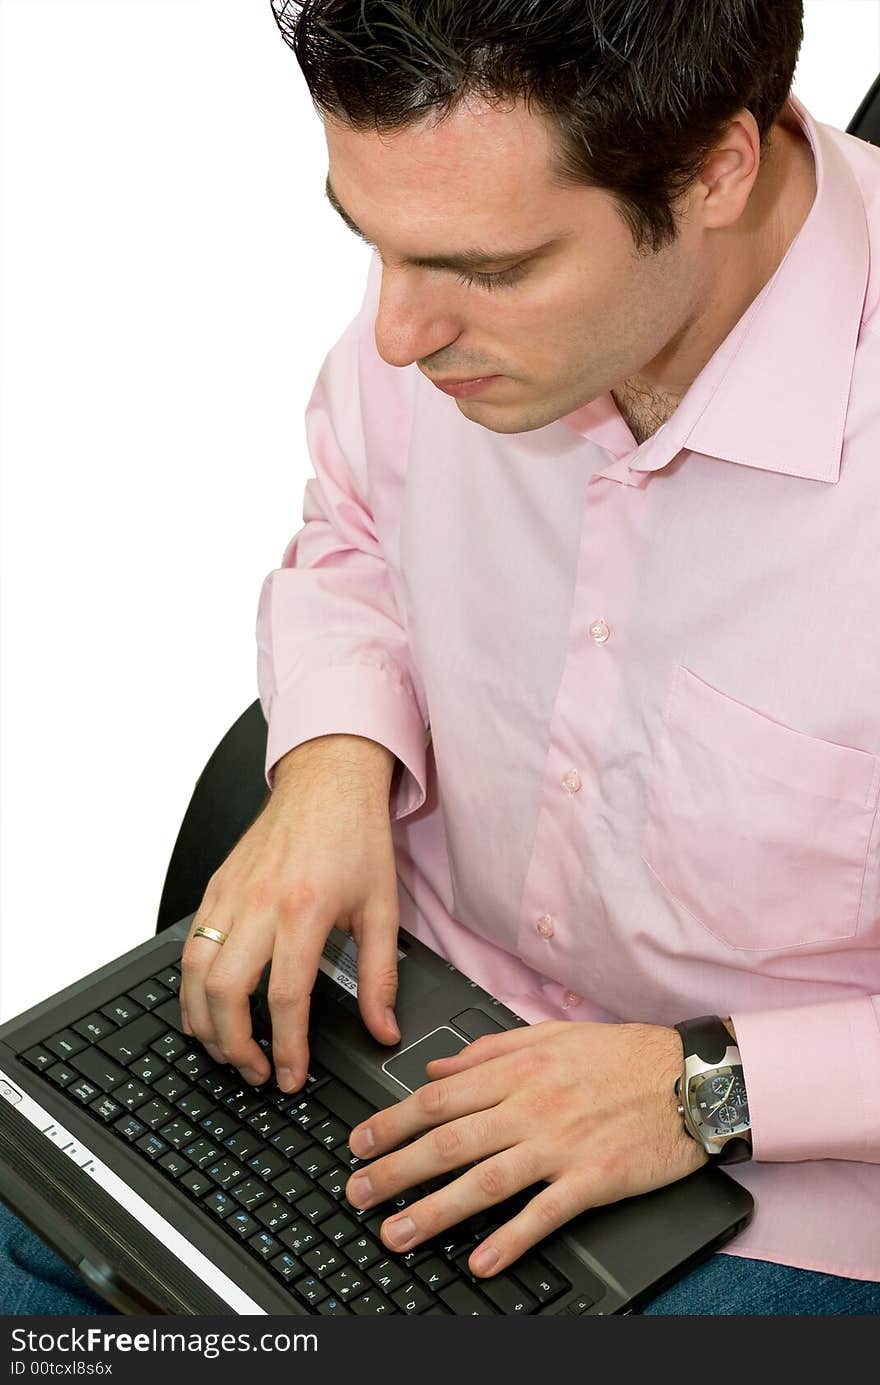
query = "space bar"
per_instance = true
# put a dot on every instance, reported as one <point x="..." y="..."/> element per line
<point x="344" y="1103"/>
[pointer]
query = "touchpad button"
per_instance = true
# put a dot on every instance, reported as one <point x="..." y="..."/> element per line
<point x="408" y="1066"/>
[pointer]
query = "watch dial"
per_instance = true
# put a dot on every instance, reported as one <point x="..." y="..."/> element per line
<point x="721" y="1101"/>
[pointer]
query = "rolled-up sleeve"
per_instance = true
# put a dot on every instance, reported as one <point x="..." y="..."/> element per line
<point x="812" y="1074"/>
<point x="332" y="650"/>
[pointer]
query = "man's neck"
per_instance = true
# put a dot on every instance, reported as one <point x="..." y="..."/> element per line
<point x="780" y="205"/>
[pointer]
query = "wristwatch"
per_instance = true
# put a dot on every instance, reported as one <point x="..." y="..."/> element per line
<point x="712" y="1092"/>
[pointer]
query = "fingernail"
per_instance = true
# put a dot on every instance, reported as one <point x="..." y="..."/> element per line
<point x="484" y="1259"/>
<point x="284" y="1078"/>
<point x="252" y="1076"/>
<point x="360" y="1142"/>
<point x="361" y="1190"/>
<point x="399" y="1232"/>
<point x="390" y="1019"/>
<point x="215" y="1053"/>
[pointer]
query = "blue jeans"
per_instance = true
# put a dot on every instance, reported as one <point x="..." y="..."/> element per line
<point x="33" y="1279"/>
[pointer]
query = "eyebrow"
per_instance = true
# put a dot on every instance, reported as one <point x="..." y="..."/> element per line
<point x="474" y="258"/>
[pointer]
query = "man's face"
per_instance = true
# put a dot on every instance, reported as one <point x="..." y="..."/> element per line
<point x="585" y="314"/>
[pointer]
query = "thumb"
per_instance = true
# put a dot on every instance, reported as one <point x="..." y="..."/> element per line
<point x="377" y="976"/>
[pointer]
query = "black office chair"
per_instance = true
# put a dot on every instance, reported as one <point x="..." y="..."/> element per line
<point x="231" y="790"/>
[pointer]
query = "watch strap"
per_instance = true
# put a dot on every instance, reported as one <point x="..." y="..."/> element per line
<point x="705" y="1037"/>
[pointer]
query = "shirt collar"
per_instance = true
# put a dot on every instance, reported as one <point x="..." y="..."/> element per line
<point x="774" y="394"/>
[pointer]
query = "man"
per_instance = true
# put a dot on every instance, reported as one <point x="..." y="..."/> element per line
<point x="576" y="674"/>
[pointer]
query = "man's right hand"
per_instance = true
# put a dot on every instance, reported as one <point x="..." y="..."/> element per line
<point x="320" y="853"/>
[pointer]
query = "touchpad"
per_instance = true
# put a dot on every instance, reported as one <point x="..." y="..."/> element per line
<point x="408" y="1066"/>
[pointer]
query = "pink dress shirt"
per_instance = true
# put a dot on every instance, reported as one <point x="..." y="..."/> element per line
<point x="634" y="695"/>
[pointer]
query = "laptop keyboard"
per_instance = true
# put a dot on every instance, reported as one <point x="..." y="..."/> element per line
<point x="271" y="1167"/>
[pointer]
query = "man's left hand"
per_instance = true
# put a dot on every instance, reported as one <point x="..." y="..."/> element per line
<point x="587" y="1108"/>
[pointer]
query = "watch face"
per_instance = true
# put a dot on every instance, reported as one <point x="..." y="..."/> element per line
<point x="719" y="1101"/>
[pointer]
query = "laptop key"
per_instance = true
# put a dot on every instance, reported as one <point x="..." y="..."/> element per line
<point x="197" y="1182"/>
<point x="169" y="1012"/>
<point x="149" y="994"/>
<point x="292" y="1184"/>
<point x="342" y="1102"/>
<point x="333" y="1307"/>
<point x="316" y="1206"/>
<point x="62" y="1075"/>
<point x="339" y="1229"/>
<point x="83" y="1091"/>
<point x="105" y="1107"/>
<point x="243" y="1143"/>
<point x="154" y="1114"/>
<point x="371" y="1304"/>
<point x="274" y="1214"/>
<point x="131" y="1094"/>
<point x="315" y="1160"/>
<point x="172" y="1086"/>
<point x="170" y="978"/>
<point x="267" y="1163"/>
<point x="266" y="1121"/>
<point x="363" y="1251"/>
<point x="174" y="1163"/>
<point x="65" y="1043"/>
<point x="348" y="1283"/>
<point x="152" y="1145"/>
<point x="226" y="1171"/>
<point x="130" y="1127"/>
<point x="286" y="1265"/>
<point x="194" y="1064"/>
<point x="94" y="1027"/>
<point x="38" y="1057"/>
<point x="169" y="1046"/>
<point x="334" y="1181"/>
<point x="323" y="1259"/>
<point x="312" y="1289"/>
<point x="131" y="1040"/>
<point x="507" y="1295"/>
<point x="122" y="1009"/>
<point x="220" y="1203"/>
<point x="330" y="1132"/>
<point x="99" y="1069"/>
<point x="148" y="1067"/>
<point x="291" y="1141"/>
<point x="265" y="1245"/>
<point x="388" y="1276"/>
<point x="242" y="1223"/>
<point x="412" y="1297"/>
<point x="435" y="1272"/>
<point x="300" y="1235"/>
<point x="243" y="1101"/>
<point x="218" y="1125"/>
<point x="178" y="1133"/>
<point x="251" y="1192"/>
<point x="201" y="1152"/>
<point x="464" y="1300"/>
<point x="536" y="1275"/>
<point x="306" y="1113"/>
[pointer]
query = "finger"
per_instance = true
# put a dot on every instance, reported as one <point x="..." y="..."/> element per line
<point x="491" y="1181"/>
<point x="197" y="958"/>
<point x="452" y="1146"/>
<point x="299" y="943"/>
<point x="549" y="1209"/>
<point x="228" y="987"/>
<point x="434" y="1104"/>
<point x="377" y="977"/>
<point x="492" y="1045"/>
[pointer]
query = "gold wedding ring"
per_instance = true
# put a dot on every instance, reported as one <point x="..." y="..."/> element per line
<point x="213" y="933"/>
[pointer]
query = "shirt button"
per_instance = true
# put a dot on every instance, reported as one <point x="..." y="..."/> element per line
<point x="599" y="631"/>
<point x="545" y="926"/>
<point x="571" y="780"/>
<point x="571" y="999"/>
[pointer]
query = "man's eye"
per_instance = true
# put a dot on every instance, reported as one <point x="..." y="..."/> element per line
<point x="493" y="281"/>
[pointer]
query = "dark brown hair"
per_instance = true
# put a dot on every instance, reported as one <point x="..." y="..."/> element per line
<point x="640" y="91"/>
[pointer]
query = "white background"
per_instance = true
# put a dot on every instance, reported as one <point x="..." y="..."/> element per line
<point x="172" y="279"/>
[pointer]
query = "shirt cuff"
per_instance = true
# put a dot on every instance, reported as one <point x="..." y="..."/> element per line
<point x="812" y="1075"/>
<point x="355" y="700"/>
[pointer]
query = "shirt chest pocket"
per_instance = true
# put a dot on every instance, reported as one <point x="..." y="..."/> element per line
<point x="759" y="831"/>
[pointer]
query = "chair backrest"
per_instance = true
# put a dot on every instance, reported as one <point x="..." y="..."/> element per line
<point x="865" y="124"/>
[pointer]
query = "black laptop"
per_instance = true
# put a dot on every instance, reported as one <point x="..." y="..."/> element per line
<point x="173" y="1187"/>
